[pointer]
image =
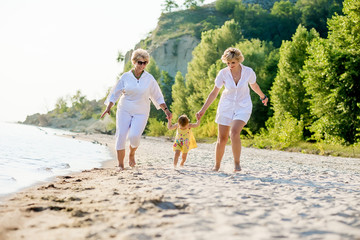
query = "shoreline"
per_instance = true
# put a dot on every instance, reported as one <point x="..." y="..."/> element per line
<point x="276" y="195"/>
<point x="102" y="139"/>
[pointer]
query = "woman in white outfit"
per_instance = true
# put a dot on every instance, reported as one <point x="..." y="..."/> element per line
<point x="135" y="89"/>
<point x="235" y="106"/>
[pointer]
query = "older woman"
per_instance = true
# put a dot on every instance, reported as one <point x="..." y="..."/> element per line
<point x="135" y="88"/>
<point x="235" y="106"/>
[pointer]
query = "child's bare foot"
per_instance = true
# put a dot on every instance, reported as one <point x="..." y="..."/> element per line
<point x="120" y="168"/>
<point x="132" y="162"/>
<point x="182" y="164"/>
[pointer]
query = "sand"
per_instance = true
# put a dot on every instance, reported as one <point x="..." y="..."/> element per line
<point x="277" y="195"/>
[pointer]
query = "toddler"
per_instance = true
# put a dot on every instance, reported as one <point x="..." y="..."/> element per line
<point x="184" y="140"/>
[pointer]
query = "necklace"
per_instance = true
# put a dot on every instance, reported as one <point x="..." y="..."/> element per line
<point x="236" y="77"/>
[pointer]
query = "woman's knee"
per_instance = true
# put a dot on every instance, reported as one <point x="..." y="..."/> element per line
<point x="235" y="135"/>
<point x="222" y="139"/>
<point x="134" y="139"/>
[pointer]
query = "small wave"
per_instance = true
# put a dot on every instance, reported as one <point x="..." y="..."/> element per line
<point x="7" y="179"/>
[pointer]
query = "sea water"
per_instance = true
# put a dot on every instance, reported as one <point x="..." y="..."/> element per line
<point x="29" y="155"/>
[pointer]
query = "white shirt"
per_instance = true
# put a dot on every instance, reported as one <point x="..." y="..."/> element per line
<point x="135" y="94"/>
<point x="235" y="98"/>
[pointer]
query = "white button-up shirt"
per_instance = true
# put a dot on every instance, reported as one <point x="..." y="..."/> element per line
<point x="235" y="98"/>
<point x="135" y="94"/>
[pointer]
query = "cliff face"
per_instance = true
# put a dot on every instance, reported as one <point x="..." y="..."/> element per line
<point x="174" y="54"/>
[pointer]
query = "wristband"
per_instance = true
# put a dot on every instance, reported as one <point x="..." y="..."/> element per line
<point x="262" y="99"/>
<point x="165" y="109"/>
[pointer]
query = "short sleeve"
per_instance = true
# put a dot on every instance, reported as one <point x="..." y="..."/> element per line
<point x="219" y="80"/>
<point x="252" y="77"/>
<point x="115" y="92"/>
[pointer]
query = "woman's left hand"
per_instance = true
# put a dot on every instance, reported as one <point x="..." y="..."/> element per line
<point x="168" y="114"/>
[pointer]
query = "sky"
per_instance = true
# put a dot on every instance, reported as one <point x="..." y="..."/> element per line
<point x="52" y="48"/>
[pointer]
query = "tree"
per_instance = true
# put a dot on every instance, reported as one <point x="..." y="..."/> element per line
<point x="120" y="57"/>
<point x="179" y="95"/>
<point x="225" y="6"/>
<point x="61" y="105"/>
<point x="332" y="78"/>
<point x="288" y="92"/>
<point x="192" y="4"/>
<point x="314" y="13"/>
<point x="169" y="5"/>
<point x="166" y="87"/>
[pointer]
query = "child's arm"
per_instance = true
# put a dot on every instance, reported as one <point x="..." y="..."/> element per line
<point x="194" y="125"/>
<point x="171" y="126"/>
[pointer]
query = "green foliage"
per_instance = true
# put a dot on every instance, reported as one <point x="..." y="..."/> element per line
<point x="192" y="4"/>
<point x="225" y="6"/>
<point x="156" y="128"/>
<point x="288" y="92"/>
<point x="179" y="94"/>
<point x="169" y="5"/>
<point x="283" y="130"/>
<point x="153" y="69"/>
<point x="332" y="78"/>
<point x="166" y="87"/>
<point x="314" y="14"/>
<point x="61" y="106"/>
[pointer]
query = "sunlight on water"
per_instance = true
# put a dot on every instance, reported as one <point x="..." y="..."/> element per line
<point x="31" y="154"/>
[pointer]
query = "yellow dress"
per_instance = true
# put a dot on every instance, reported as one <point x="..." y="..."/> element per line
<point x="184" y="140"/>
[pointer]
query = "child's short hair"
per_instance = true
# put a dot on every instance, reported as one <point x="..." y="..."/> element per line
<point x="183" y="120"/>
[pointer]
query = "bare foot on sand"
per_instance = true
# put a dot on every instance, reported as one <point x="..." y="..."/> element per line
<point x="216" y="168"/>
<point x="237" y="169"/>
<point x="120" y="168"/>
<point x="132" y="162"/>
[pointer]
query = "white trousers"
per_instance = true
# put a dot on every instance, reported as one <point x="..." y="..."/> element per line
<point x="131" y="126"/>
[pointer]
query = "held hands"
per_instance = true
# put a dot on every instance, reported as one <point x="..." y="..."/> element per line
<point x="199" y="114"/>
<point x="264" y="100"/>
<point x="168" y="114"/>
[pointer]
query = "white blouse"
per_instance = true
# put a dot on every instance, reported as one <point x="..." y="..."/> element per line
<point x="235" y="98"/>
<point x="135" y="95"/>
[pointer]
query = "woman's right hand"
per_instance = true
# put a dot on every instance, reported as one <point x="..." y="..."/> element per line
<point x="107" y="110"/>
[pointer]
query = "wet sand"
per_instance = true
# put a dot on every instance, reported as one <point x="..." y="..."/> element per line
<point x="277" y="195"/>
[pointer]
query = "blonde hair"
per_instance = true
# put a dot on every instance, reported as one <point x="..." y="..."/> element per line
<point x="183" y="120"/>
<point x="232" y="53"/>
<point x="140" y="54"/>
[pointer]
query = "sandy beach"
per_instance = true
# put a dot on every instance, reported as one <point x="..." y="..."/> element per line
<point x="277" y="195"/>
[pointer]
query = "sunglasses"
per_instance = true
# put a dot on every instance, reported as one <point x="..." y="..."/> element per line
<point x="141" y="63"/>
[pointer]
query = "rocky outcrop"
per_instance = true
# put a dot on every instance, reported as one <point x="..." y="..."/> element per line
<point x="173" y="54"/>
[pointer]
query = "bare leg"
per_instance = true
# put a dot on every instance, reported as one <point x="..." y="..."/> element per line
<point x="236" y="142"/>
<point x="223" y="135"/>
<point x="120" y="157"/>
<point x="183" y="156"/>
<point x="132" y="162"/>
<point x="176" y="157"/>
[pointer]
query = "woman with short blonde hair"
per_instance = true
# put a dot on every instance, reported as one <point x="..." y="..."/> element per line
<point x="235" y="106"/>
<point x="232" y="53"/>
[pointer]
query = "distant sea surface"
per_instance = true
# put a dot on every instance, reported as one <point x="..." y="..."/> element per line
<point x="29" y="155"/>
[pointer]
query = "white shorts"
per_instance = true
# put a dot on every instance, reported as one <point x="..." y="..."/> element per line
<point x="129" y="126"/>
<point x="222" y="120"/>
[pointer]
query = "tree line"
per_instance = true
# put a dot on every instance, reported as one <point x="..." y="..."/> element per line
<point x="312" y="80"/>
